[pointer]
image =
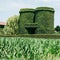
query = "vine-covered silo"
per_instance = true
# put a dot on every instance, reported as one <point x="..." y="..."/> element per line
<point x="44" y="16"/>
<point x="26" y="16"/>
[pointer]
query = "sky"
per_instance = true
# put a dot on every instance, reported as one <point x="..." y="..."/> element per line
<point x="10" y="8"/>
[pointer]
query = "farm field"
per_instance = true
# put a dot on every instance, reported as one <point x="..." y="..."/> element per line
<point x="24" y="48"/>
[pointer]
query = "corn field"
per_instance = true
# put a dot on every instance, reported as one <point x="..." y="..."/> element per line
<point x="22" y="48"/>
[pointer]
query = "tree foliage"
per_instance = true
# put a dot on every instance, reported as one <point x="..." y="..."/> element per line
<point x="57" y="28"/>
<point x="12" y="25"/>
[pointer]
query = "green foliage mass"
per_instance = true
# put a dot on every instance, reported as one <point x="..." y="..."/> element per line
<point x="45" y="20"/>
<point x="57" y="28"/>
<point x="25" y="17"/>
<point x="1" y="31"/>
<point x="19" y="48"/>
<point x="31" y="25"/>
<point x="43" y="16"/>
<point x="44" y="8"/>
<point x="26" y="10"/>
<point x="12" y="25"/>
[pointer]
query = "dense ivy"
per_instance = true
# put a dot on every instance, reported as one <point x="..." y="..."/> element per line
<point x="45" y="19"/>
<point x="25" y="17"/>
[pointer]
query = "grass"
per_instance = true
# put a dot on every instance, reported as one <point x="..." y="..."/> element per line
<point x="23" y="48"/>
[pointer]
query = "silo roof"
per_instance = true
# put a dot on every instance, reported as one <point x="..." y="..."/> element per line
<point x="27" y="10"/>
<point x="44" y="8"/>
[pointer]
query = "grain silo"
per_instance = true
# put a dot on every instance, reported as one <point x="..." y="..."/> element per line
<point x="44" y="16"/>
<point x="26" y="16"/>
